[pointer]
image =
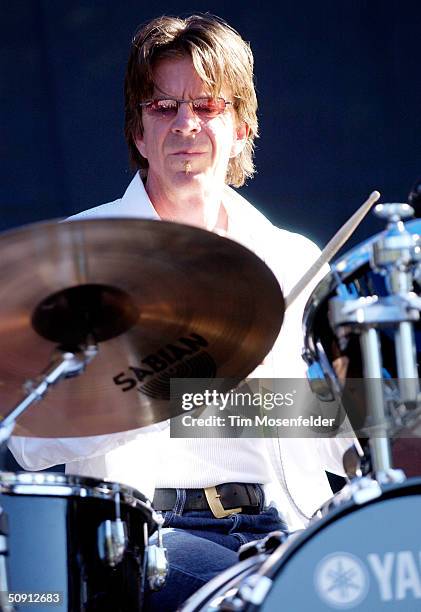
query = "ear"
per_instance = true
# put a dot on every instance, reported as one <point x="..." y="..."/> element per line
<point x="140" y="145"/>
<point x="241" y="134"/>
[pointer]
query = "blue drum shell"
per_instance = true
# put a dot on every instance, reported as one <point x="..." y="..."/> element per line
<point x="53" y="541"/>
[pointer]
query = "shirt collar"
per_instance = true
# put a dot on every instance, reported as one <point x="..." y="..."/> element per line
<point x="136" y="201"/>
<point x="243" y="219"/>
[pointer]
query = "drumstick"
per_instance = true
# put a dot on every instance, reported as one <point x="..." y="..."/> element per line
<point x="332" y="247"/>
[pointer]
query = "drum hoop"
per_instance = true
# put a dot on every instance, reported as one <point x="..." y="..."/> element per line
<point x="282" y="554"/>
<point x="66" y="485"/>
<point x="205" y="594"/>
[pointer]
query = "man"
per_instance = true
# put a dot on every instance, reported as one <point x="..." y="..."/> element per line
<point x="190" y="126"/>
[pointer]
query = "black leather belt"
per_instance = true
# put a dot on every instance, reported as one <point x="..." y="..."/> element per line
<point x="222" y="500"/>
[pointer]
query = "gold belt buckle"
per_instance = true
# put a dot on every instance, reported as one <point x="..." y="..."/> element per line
<point x="215" y="504"/>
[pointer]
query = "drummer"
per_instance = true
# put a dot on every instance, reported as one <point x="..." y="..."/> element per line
<point x="190" y="126"/>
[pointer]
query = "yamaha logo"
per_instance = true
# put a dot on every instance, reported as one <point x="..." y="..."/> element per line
<point x="341" y="580"/>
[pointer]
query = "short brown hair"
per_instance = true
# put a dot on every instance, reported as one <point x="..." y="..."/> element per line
<point x="221" y="58"/>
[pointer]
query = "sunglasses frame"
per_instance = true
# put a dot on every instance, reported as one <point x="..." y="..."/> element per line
<point x="173" y="112"/>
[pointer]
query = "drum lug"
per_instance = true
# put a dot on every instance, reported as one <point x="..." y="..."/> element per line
<point x="157" y="563"/>
<point x="364" y="490"/>
<point x="360" y="490"/>
<point x="266" y="545"/>
<point x="157" y="566"/>
<point x="112" y="541"/>
<point x="254" y="589"/>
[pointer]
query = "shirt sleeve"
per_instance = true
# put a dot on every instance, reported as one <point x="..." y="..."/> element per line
<point x="41" y="453"/>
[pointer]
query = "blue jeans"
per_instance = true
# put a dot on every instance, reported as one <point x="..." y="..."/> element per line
<point x="200" y="546"/>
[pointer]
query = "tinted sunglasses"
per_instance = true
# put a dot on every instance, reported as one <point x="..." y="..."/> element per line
<point x="202" y="107"/>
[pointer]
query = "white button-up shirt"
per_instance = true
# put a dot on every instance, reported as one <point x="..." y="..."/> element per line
<point x="291" y="469"/>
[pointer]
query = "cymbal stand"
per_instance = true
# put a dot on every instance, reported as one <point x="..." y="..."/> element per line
<point x="396" y="256"/>
<point x="66" y="365"/>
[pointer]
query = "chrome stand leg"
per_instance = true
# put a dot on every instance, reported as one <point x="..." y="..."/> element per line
<point x="381" y="454"/>
<point x="406" y="362"/>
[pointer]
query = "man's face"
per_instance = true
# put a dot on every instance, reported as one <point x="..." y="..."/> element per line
<point x="187" y="154"/>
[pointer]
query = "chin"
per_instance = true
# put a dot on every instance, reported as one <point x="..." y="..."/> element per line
<point x="194" y="176"/>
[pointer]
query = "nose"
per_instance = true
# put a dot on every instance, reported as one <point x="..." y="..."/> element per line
<point x="186" y="121"/>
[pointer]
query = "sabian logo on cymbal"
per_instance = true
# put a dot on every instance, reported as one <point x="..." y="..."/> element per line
<point x="184" y="358"/>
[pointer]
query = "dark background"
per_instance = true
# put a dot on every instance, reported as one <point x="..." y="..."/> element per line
<point x="338" y="82"/>
<point x="340" y="99"/>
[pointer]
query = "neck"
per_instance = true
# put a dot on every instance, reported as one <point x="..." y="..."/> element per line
<point x="201" y="209"/>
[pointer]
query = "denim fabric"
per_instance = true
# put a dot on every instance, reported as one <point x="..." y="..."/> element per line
<point x="200" y="547"/>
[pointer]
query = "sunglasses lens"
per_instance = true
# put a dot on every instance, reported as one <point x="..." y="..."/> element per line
<point x="166" y="108"/>
<point x="209" y="107"/>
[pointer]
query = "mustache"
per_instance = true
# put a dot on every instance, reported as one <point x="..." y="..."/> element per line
<point x="190" y="145"/>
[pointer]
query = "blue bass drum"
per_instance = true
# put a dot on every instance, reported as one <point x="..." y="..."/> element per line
<point x="357" y="557"/>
